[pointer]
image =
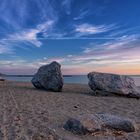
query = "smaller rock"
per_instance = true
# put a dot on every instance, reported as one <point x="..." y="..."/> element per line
<point x="98" y="123"/>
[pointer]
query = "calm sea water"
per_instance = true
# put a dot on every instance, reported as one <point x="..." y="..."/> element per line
<point x="81" y="79"/>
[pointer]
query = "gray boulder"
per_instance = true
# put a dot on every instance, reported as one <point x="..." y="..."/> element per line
<point x="49" y="77"/>
<point x="113" y="83"/>
<point x="98" y="123"/>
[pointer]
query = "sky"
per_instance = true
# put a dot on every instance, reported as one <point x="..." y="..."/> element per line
<point x="82" y="35"/>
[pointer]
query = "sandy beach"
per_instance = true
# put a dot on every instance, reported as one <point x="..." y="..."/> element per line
<point x="28" y="113"/>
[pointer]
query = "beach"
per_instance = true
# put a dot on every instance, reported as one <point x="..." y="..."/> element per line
<point x="29" y="113"/>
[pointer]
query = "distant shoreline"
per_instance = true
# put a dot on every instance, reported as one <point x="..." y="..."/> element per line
<point x="32" y="75"/>
<point x="63" y="75"/>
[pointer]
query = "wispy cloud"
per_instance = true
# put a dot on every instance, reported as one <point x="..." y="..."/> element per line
<point x="105" y="54"/>
<point x="117" y="45"/>
<point x="125" y="31"/>
<point x="4" y="49"/>
<point x="88" y="29"/>
<point x="110" y="56"/>
<point x="28" y="36"/>
<point x="83" y="13"/>
<point x="112" y="53"/>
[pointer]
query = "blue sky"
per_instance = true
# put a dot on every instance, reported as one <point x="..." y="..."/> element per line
<point x="83" y="35"/>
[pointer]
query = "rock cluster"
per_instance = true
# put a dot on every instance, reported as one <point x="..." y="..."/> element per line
<point x="99" y="122"/>
<point x="113" y="83"/>
<point x="49" y="77"/>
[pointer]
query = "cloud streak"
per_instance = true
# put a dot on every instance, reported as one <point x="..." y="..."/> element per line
<point x="29" y="37"/>
<point x="87" y="29"/>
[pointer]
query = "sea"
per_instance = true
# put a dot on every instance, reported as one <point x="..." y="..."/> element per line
<point x="77" y="79"/>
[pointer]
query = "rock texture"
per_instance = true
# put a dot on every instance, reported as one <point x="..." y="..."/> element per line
<point x="99" y="123"/>
<point x="116" y="123"/>
<point x="113" y="83"/>
<point x="75" y="126"/>
<point x="49" y="77"/>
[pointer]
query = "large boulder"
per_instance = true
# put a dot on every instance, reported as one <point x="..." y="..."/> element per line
<point x="113" y="83"/>
<point x="93" y="123"/>
<point x="49" y="77"/>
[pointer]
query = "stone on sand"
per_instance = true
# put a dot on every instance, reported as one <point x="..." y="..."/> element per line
<point x="99" y="122"/>
<point x="113" y="83"/>
<point x="49" y="77"/>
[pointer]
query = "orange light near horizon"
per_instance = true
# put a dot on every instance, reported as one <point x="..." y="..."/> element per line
<point x="133" y="69"/>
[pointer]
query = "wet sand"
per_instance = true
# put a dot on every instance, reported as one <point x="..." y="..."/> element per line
<point x="28" y="113"/>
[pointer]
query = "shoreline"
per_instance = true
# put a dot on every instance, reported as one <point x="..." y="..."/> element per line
<point x="74" y="79"/>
